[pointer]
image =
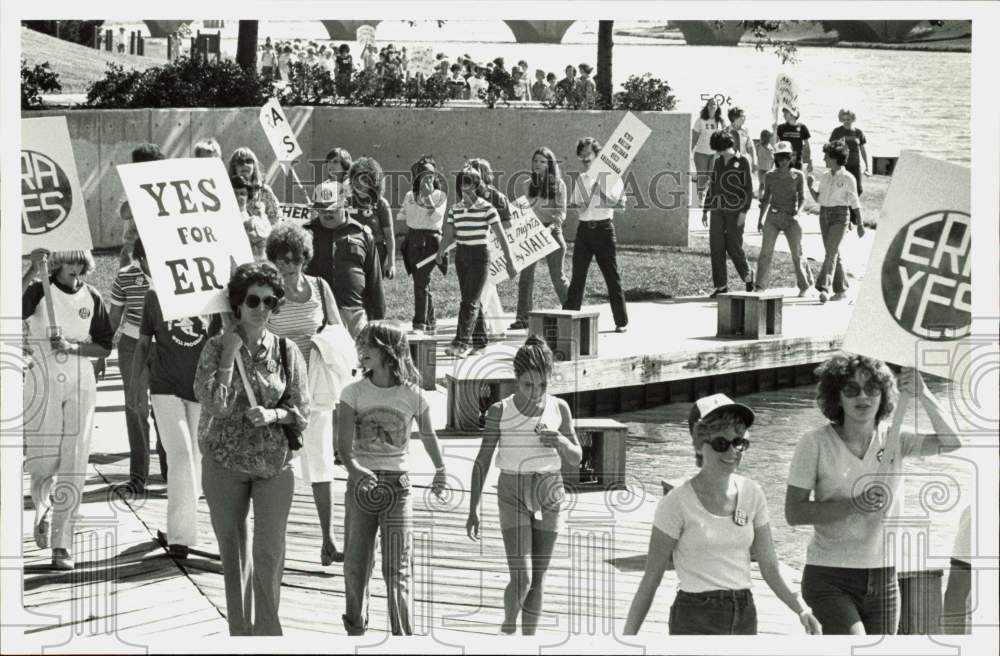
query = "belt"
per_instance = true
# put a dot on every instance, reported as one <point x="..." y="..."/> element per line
<point x="596" y="224"/>
<point x="735" y="595"/>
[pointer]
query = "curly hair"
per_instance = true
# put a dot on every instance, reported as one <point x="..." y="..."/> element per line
<point x="395" y="348"/>
<point x="535" y="355"/>
<point x="147" y="152"/>
<point x="247" y="275"/>
<point x="734" y="113"/>
<point x="721" y="140"/>
<point x="839" y="369"/>
<point x="365" y="176"/>
<point x="545" y="185"/>
<point x="289" y="238"/>
<point x="588" y="143"/>
<point x="837" y="151"/>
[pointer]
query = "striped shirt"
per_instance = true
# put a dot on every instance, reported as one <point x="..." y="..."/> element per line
<point x="300" y="321"/>
<point x="472" y="224"/>
<point x="129" y="291"/>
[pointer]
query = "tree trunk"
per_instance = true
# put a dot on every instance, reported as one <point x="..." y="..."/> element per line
<point x="605" y="42"/>
<point x="246" y="45"/>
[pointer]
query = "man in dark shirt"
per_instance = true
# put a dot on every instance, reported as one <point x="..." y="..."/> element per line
<point x="566" y="88"/>
<point x="344" y="254"/>
<point x="798" y="135"/>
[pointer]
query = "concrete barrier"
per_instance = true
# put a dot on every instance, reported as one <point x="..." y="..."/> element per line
<point x="657" y="184"/>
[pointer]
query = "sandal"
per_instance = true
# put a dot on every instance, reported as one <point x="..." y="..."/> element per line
<point x="329" y="554"/>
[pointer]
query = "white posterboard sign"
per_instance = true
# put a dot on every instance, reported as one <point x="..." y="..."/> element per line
<point x="421" y="61"/>
<point x="53" y="211"/>
<point x="192" y="229"/>
<point x="279" y="132"/>
<point x="366" y="35"/>
<point x="620" y="150"/>
<point x="915" y="304"/>
<point x="295" y="211"/>
<point x="528" y="239"/>
<point x="786" y="96"/>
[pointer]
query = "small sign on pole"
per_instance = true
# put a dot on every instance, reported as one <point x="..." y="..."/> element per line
<point x="366" y="35"/>
<point x="192" y="229"/>
<point x="786" y="96"/>
<point x="620" y="150"/>
<point x="53" y="212"/>
<point x="279" y="132"/>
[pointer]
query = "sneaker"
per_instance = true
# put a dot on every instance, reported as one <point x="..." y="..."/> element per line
<point x="720" y="290"/>
<point x="750" y="283"/>
<point x="178" y="551"/>
<point x="621" y="329"/>
<point x="457" y="350"/>
<point x="518" y="325"/>
<point x="805" y="293"/>
<point x="61" y="560"/>
<point x="839" y="296"/>
<point x="823" y="296"/>
<point x="42" y="532"/>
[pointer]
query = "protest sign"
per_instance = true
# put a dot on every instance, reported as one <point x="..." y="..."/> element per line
<point x="365" y="35"/>
<point x="528" y="239"/>
<point x="279" y="132"/>
<point x="53" y="212"/>
<point x="421" y="61"/>
<point x="786" y="95"/>
<point x="192" y="228"/>
<point x="620" y="150"/>
<point x="294" y="211"/>
<point x="915" y="307"/>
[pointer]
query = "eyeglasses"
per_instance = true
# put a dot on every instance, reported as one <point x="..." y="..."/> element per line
<point x="252" y="301"/>
<point x="244" y="160"/>
<point x="851" y="389"/>
<point x="289" y="260"/>
<point x="721" y="444"/>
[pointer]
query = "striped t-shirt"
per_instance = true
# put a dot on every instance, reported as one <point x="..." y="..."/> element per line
<point x="472" y="224"/>
<point x="129" y="290"/>
<point x="300" y="321"/>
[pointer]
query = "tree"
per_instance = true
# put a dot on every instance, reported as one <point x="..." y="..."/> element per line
<point x="605" y="44"/>
<point x="246" y="45"/>
<point x="68" y="30"/>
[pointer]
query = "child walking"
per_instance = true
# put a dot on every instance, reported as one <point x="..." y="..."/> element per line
<point x="534" y="432"/>
<point x="374" y="418"/>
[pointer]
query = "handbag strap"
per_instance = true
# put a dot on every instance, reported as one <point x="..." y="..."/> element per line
<point x="322" y="299"/>
<point x="283" y="349"/>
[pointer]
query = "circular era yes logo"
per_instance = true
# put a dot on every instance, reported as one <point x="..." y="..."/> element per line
<point x="46" y="195"/>
<point x="926" y="276"/>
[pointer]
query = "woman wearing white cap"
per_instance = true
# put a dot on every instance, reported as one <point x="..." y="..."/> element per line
<point x="716" y="513"/>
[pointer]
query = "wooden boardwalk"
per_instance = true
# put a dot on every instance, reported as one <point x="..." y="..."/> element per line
<point x="125" y="583"/>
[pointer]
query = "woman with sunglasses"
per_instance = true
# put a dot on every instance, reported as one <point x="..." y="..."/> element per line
<point x="708" y="528"/>
<point x="261" y="201"/>
<point x="247" y="453"/>
<point x="851" y="467"/>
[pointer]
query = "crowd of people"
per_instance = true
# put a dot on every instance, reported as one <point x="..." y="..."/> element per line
<point x="465" y="77"/>
<point x="246" y="403"/>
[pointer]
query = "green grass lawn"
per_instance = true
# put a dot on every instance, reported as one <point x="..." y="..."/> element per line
<point x="647" y="272"/>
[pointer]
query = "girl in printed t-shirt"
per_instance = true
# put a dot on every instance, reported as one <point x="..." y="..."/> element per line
<point x="534" y="432"/>
<point x="709" y="527"/>
<point x="374" y="417"/>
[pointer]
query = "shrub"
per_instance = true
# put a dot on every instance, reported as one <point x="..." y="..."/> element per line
<point x="308" y="85"/>
<point x="36" y="81"/>
<point x="116" y="89"/>
<point x="432" y="92"/>
<point x="645" y="93"/>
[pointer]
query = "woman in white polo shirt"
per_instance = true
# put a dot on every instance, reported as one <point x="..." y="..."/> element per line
<point x="708" y="528"/>
<point x="852" y="466"/>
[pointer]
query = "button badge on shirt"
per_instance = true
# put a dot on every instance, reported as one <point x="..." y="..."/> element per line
<point x="740" y="517"/>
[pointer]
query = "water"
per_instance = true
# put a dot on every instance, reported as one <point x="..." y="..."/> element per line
<point x="659" y="448"/>
<point x="904" y="100"/>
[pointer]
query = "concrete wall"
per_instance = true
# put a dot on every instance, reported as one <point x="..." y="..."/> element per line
<point x="656" y="183"/>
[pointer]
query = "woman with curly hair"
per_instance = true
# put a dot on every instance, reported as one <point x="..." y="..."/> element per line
<point x="247" y="443"/>
<point x="368" y="206"/>
<point x="262" y="202"/>
<point x="846" y="477"/>
<point x="546" y="192"/>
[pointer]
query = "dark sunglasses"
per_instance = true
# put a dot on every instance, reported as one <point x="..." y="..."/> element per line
<point x="252" y="301"/>
<point x="244" y="160"/>
<point x="851" y="389"/>
<point x="721" y="444"/>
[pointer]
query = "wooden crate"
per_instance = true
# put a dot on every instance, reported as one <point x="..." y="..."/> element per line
<point x="883" y="165"/>
<point x="423" y="350"/>
<point x="468" y="398"/>
<point x="571" y="334"/>
<point x="606" y="439"/>
<point x="750" y="315"/>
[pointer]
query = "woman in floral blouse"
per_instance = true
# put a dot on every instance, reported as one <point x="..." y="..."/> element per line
<point x="246" y="453"/>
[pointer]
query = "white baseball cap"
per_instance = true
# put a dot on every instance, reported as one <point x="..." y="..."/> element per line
<point x="783" y="147"/>
<point x="708" y="405"/>
<point x="327" y="196"/>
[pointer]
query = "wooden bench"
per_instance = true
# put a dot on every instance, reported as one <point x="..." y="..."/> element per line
<point x="571" y="334"/>
<point x="603" y="443"/>
<point x="423" y="350"/>
<point x="750" y="315"/>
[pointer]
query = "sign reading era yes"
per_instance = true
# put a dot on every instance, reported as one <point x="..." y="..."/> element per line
<point x="620" y="150"/>
<point x="279" y="132"/>
<point x="786" y="96"/>
<point x="192" y="229"/>
<point x="918" y="294"/>
<point x="528" y="239"/>
<point x="53" y="213"/>
<point x="365" y="35"/>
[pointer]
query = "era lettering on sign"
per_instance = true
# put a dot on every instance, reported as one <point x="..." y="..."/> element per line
<point x="179" y="270"/>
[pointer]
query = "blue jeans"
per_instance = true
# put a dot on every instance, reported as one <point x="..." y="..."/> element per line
<point x="419" y="245"/>
<point x="472" y="264"/>
<point x="386" y="510"/>
<point x="716" y="612"/>
<point x="526" y="281"/>
<point x="778" y="222"/>
<point x="832" y="226"/>
<point x="136" y="420"/>
<point x="845" y="599"/>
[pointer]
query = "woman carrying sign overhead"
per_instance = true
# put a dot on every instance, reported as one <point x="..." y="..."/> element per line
<point x="846" y="477"/>
<point x="60" y="391"/>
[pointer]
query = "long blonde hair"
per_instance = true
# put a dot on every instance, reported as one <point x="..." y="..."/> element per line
<point x="395" y="348"/>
